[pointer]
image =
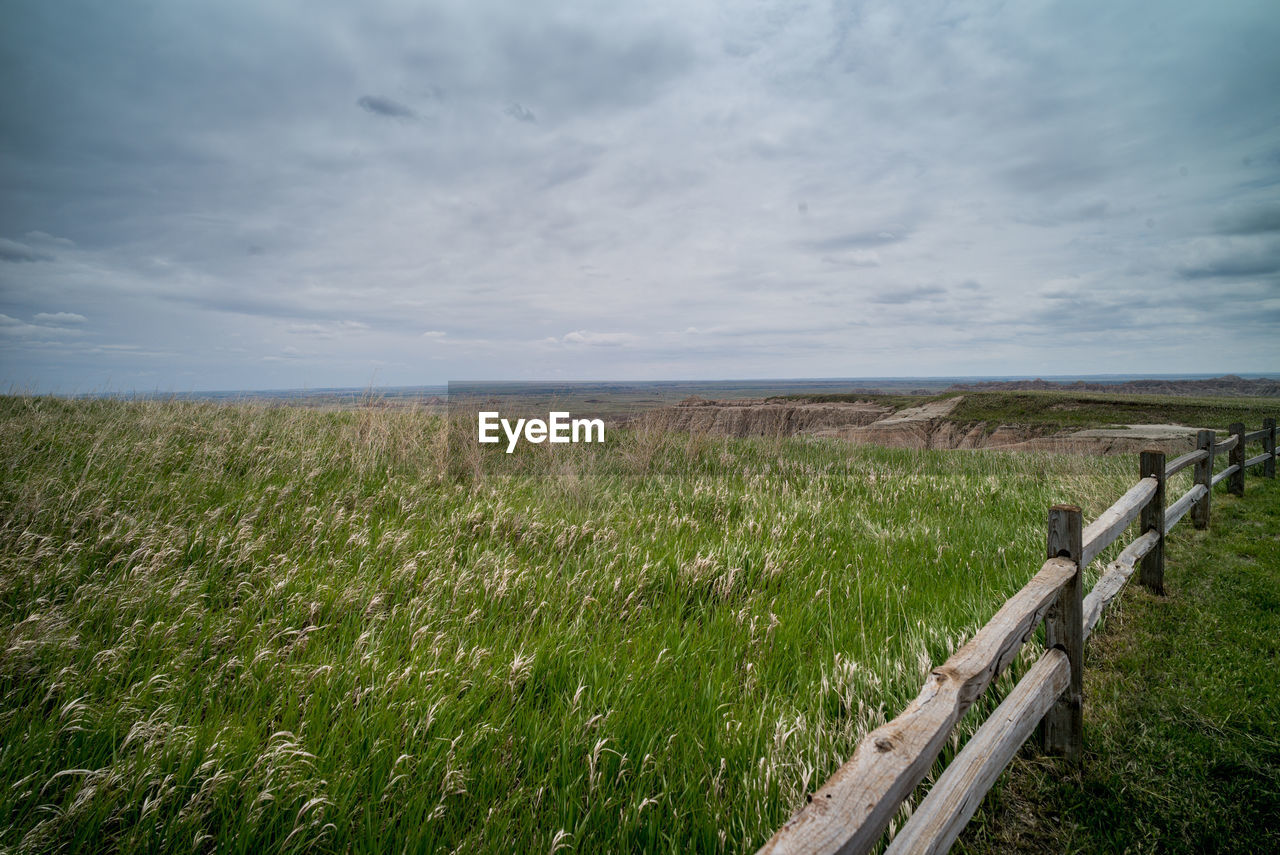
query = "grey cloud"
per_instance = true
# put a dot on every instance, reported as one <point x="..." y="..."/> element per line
<point x="858" y="240"/>
<point x="1230" y="300"/>
<point x="1056" y="170"/>
<point x="59" y="318"/>
<point x="673" y="147"/>
<point x="578" y="68"/>
<point x="381" y="106"/>
<point x="1092" y="211"/>
<point x="1256" y="221"/>
<point x="285" y="354"/>
<point x="17" y="253"/>
<point x="1238" y="309"/>
<point x="910" y="295"/>
<point x="327" y="330"/>
<point x="520" y="113"/>
<point x="1072" y="214"/>
<point x="10" y="326"/>
<point x="588" y="338"/>
<point x="1084" y="309"/>
<point x="1229" y="267"/>
<point x="281" y="306"/>
<point x="565" y="171"/>
<point x="45" y="237"/>
<point x="1249" y="261"/>
<point x="854" y="259"/>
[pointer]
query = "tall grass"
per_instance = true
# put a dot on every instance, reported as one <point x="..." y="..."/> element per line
<point x="247" y="628"/>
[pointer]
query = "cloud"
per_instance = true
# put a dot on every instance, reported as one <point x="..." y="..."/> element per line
<point x="930" y="293"/>
<point x="1239" y="261"/>
<point x="807" y="185"/>
<point x="857" y="258"/>
<point x="15" y="252"/>
<point x="59" y="318"/>
<point x="586" y="338"/>
<point x="16" y="328"/>
<point x="1256" y="221"/>
<point x="1059" y="168"/>
<point x="129" y="351"/>
<point x="45" y="237"/>
<point x="328" y="329"/>
<point x="858" y="240"/>
<point x="576" y="68"/>
<point x="286" y="354"/>
<point x="1059" y="215"/>
<point x="520" y="113"/>
<point x="381" y="106"/>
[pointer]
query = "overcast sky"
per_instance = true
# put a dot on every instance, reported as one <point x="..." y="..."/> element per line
<point x="236" y="195"/>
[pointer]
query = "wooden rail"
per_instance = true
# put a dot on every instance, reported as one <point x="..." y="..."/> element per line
<point x="1184" y="461"/>
<point x="1179" y="508"/>
<point x="852" y="810"/>
<point x="854" y="806"/>
<point x="1103" y="531"/>
<point x="1112" y="580"/>
<point x="951" y="802"/>
<point x="1225" y="474"/>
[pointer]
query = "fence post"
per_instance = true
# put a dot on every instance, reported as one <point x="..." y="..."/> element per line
<point x="1151" y="465"/>
<point x="1205" y="440"/>
<point x="1235" y="484"/>
<point x="1269" y="446"/>
<point x="1062" y="729"/>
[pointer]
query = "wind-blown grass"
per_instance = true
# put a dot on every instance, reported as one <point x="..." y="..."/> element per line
<point x="247" y="628"/>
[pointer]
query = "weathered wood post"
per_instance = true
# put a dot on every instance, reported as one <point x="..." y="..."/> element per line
<point x="1235" y="484"/>
<point x="1062" y="729"/>
<point x="1205" y="441"/>
<point x="1151" y="465"/>
<point x="1269" y="446"/>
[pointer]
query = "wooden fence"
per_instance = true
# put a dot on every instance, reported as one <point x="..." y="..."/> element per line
<point x="851" y="811"/>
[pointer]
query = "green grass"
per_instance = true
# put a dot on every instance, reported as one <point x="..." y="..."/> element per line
<point x="243" y="628"/>
<point x="1182" y="710"/>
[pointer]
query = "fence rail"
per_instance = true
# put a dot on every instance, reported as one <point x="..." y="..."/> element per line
<point x="1225" y="474"/>
<point x="852" y="810"/>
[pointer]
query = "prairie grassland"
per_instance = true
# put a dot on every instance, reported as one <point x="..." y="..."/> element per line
<point x="244" y="628"/>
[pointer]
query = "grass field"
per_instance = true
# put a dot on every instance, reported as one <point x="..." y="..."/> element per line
<point x="247" y="628"/>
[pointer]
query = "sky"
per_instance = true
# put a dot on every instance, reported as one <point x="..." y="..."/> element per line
<point x="245" y="195"/>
